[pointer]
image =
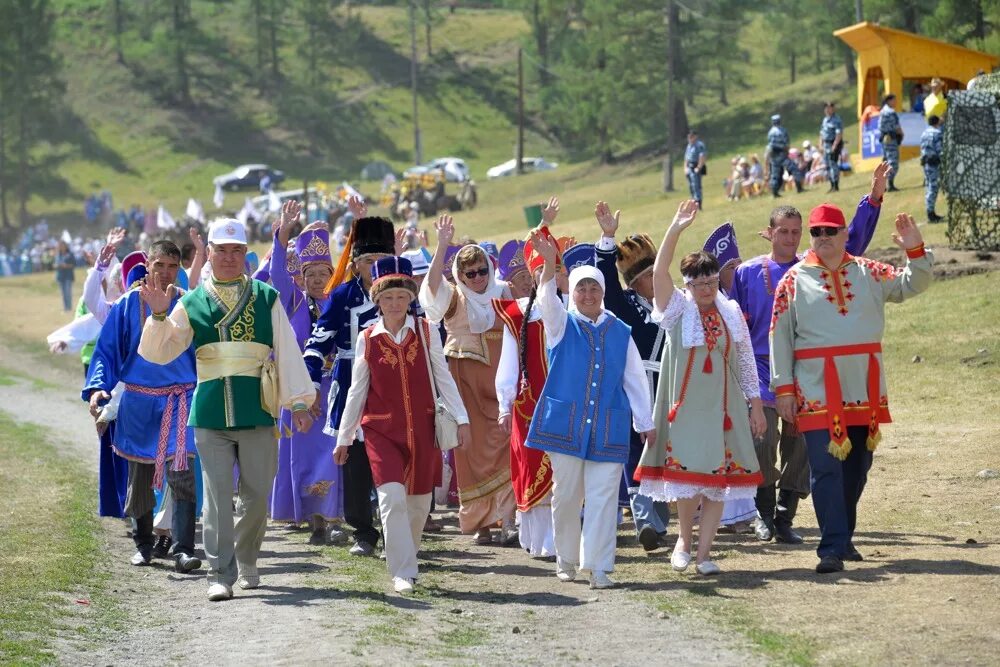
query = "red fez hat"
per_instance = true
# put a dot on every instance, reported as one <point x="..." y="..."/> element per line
<point x="827" y="215"/>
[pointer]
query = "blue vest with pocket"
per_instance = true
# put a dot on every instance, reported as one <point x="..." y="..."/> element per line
<point x="583" y="410"/>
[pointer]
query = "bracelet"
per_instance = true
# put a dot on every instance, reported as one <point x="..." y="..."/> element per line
<point x="875" y="202"/>
<point x="299" y="407"/>
<point x="916" y="252"/>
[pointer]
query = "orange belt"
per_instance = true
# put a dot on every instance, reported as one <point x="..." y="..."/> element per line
<point x="840" y="444"/>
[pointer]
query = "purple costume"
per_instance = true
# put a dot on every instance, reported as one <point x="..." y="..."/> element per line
<point x="756" y="279"/>
<point x="307" y="482"/>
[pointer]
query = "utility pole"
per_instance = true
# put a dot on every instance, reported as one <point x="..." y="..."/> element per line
<point x="305" y="200"/>
<point x="418" y="157"/>
<point x="668" y="161"/>
<point x="859" y="12"/>
<point x="520" y="111"/>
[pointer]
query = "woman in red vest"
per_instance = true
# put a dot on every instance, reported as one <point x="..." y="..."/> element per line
<point x="392" y="400"/>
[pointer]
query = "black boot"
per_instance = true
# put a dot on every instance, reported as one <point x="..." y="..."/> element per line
<point x="142" y="535"/>
<point x="933" y="217"/>
<point x="788" y="502"/>
<point x="892" y="186"/>
<point x="183" y="530"/>
<point x="765" y="502"/>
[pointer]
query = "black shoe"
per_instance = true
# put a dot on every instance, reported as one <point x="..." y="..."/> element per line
<point x="828" y="564"/>
<point x="185" y="563"/>
<point x="933" y="217"/>
<point x="833" y="188"/>
<point x="853" y="554"/>
<point x="783" y="533"/>
<point x="161" y="549"/>
<point x="318" y="537"/>
<point x="648" y="538"/>
<point x="764" y="529"/>
<point x="142" y="556"/>
<point x="892" y="188"/>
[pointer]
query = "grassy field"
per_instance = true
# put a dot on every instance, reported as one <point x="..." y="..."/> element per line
<point x="55" y="583"/>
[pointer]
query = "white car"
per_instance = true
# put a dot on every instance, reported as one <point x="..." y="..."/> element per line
<point x="455" y="169"/>
<point x="531" y="164"/>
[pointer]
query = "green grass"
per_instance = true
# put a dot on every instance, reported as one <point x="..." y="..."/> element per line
<point x="50" y="551"/>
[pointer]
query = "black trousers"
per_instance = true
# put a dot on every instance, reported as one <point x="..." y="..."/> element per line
<point x="358" y="487"/>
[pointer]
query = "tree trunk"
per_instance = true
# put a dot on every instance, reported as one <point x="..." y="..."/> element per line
<point x="119" y="21"/>
<point x="180" y="53"/>
<point x="722" y="86"/>
<point x="849" y="69"/>
<point x="258" y="21"/>
<point x="273" y="28"/>
<point x="673" y="55"/>
<point x="22" y="167"/>
<point x="791" y="66"/>
<point x="978" y="20"/>
<point x="427" y="26"/>
<point x="819" y="56"/>
<point x="541" y="30"/>
<point x="910" y="17"/>
<point x="4" y="218"/>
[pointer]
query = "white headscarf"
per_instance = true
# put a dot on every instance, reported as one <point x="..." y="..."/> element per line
<point x="584" y="272"/>
<point x="482" y="317"/>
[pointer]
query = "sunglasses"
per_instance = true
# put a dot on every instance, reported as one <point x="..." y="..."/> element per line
<point x="817" y="232"/>
<point x="469" y="275"/>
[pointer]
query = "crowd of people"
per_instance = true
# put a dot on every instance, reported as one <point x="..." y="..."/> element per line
<point x="556" y="383"/>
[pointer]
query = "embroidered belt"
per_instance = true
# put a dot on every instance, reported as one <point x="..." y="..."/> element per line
<point x="241" y="358"/>
<point x="840" y="444"/>
<point x="176" y="399"/>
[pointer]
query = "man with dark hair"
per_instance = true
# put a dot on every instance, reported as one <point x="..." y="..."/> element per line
<point x="151" y="429"/>
<point x="930" y="159"/>
<point x="753" y="289"/>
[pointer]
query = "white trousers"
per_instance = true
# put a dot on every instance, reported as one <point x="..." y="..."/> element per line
<point x="577" y="482"/>
<point x="403" y="518"/>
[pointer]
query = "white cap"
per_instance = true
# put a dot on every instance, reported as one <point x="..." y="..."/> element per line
<point x="227" y="230"/>
<point x="806" y="144"/>
<point x="418" y="260"/>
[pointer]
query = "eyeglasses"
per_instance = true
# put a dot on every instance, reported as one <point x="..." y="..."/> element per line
<point x="703" y="284"/>
<point x="469" y="275"/>
<point x="817" y="232"/>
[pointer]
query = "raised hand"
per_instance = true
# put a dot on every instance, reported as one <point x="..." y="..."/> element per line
<point x="879" y="179"/>
<point x="550" y="211"/>
<point x="197" y="240"/>
<point x="290" y="211"/>
<point x="157" y="299"/>
<point x="445" y="226"/>
<point x="687" y="211"/>
<point x="400" y="244"/>
<point x="907" y="234"/>
<point x="609" y="222"/>
<point x="544" y="246"/>
<point x="115" y="237"/>
<point x="357" y="206"/>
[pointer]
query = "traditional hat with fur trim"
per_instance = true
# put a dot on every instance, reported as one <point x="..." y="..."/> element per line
<point x="532" y="258"/>
<point x="582" y="254"/>
<point x="372" y="236"/>
<point x="722" y="244"/>
<point x="511" y="260"/>
<point x="636" y="255"/>
<point x="131" y="260"/>
<point x="392" y="273"/>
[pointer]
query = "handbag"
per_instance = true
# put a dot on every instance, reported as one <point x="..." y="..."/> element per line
<point x="445" y="424"/>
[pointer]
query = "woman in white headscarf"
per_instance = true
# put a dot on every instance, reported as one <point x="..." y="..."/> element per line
<point x="475" y="336"/>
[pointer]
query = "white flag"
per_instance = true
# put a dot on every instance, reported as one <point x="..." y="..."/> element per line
<point x="273" y="203"/>
<point x="218" y="198"/>
<point x="164" y="220"/>
<point x="195" y="211"/>
<point x="66" y="238"/>
<point x="248" y="212"/>
<point x="351" y="192"/>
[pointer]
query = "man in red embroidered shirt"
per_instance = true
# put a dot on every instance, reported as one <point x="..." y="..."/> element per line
<point x="826" y="364"/>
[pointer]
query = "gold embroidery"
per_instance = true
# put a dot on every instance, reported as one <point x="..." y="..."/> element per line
<point x="243" y="328"/>
<point x="321" y="488"/>
<point x="316" y="247"/>
<point x="540" y="478"/>
<point x="411" y="353"/>
<point x="388" y="355"/>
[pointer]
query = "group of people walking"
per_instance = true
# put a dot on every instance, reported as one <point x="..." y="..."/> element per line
<point x="571" y="380"/>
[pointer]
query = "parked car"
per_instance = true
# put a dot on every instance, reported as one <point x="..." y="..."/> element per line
<point x="531" y="164"/>
<point x="247" y="177"/>
<point x="455" y="169"/>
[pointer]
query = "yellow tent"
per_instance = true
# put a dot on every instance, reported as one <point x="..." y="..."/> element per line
<point x="888" y="57"/>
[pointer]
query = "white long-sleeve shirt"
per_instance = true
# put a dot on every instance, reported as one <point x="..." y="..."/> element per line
<point x="94" y="297"/>
<point x="554" y="318"/>
<point x="350" y="421"/>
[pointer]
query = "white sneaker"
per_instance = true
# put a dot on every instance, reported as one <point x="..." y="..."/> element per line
<point x="680" y="560"/>
<point x="565" y="571"/>
<point x="402" y="586"/>
<point x="248" y="578"/>
<point x="219" y="592"/>
<point x="599" y="579"/>
<point x="707" y="568"/>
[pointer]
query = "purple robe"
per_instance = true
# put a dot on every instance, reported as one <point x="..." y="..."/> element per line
<point x="307" y="482"/>
<point x="756" y="279"/>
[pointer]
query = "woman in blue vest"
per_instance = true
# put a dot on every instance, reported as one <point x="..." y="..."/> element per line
<point x="596" y="379"/>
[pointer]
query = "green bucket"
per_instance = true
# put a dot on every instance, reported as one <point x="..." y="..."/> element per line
<point x="533" y="214"/>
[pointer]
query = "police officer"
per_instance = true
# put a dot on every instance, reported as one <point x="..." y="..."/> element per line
<point x="891" y="135"/>
<point x="777" y="153"/>
<point x="694" y="163"/>
<point x="831" y="137"/>
<point x="930" y="160"/>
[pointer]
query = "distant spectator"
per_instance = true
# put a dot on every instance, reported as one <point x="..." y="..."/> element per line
<point x="756" y="174"/>
<point x="64" y="274"/>
<point x="936" y="104"/>
<point x="917" y="96"/>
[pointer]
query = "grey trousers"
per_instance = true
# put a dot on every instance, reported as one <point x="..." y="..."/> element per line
<point x="793" y="473"/>
<point x="232" y="546"/>
<point x="140" y="499"/>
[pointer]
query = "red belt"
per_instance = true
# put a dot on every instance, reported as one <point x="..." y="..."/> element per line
<point x="840" y="444"/>
<point x="176" y="394"/>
